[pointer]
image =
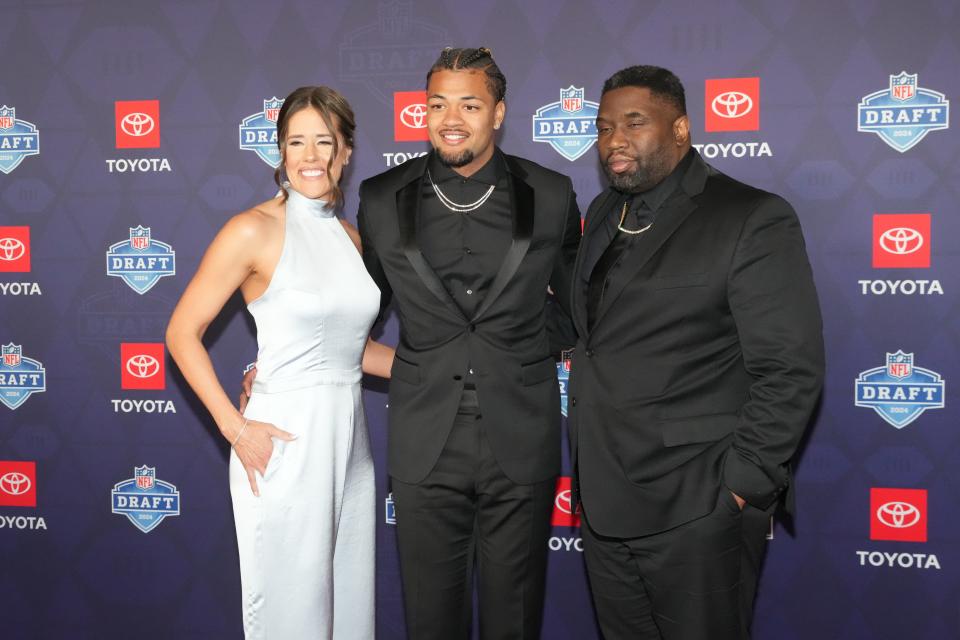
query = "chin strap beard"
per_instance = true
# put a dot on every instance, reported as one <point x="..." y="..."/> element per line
<point x="454" y="162"/>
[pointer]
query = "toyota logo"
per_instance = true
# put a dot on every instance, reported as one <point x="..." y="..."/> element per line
<point x="136" y="124"/>
<point x="898" y="515"/>
<point x="732" y="104"/>
<point x="15" y="483"/>
<point x="901" y="241"/>
<point x="11" y="249"/>
<point x="143" y="366"/>
<point x="563" y="502"/>
<point x="414" y="116"/>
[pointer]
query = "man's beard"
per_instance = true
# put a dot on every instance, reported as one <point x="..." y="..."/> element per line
<point x="454" y="161"/>
<point x="649" y="173"/>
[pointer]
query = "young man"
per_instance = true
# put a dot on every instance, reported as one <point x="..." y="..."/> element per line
<point x="466" y="240"/>
<point x="699" y="362"/>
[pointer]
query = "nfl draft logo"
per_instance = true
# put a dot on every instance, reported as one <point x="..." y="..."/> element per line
<point x="388" y="54"/>
<point x="568" y="125"/>
<point x="140" y="260"/>
<point x="20" y="377"/>
<point x="563" y="377"/>
<point x="18" y="139"/>
<point x="145" y="500"/>
<point x="903" y="113"/>
<point x="258" y="132"/>
<point x="900" y="391"/>
<point x="390" y="510"/>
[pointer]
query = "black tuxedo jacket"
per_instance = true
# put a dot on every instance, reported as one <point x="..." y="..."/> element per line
<point x="503" y="348"/>
<point x="704" y="363"/>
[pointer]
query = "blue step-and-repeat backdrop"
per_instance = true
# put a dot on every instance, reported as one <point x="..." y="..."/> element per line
<point x="131" y="131"/>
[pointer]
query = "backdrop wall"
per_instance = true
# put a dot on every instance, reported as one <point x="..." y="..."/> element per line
<point x="131" y="131"/>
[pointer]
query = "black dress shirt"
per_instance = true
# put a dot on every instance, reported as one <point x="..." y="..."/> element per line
<point x="466" y="249"/>
<point x="644" y="206"/>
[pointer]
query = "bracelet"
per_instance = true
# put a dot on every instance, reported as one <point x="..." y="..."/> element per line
<point x="240" y="433"/>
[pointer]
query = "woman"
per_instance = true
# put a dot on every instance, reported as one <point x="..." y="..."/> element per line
<point x="301" y="475"/>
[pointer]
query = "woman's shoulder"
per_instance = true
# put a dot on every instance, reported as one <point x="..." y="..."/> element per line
<point x="256" y="221"/>
<point x="248" y="232"/>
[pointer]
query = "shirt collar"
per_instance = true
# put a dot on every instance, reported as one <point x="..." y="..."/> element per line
<point x="489" y="174"/>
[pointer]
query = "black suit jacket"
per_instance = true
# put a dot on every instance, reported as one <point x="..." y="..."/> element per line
<point x="504" y="342"/>
<point x="704" y="363"/>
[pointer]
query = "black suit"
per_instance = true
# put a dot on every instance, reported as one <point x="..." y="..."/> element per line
<point x="698" y="376"/>
<point x="501" y="349"/>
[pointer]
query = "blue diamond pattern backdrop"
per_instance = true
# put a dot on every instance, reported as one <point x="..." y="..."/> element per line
<point x="71" y="568"/>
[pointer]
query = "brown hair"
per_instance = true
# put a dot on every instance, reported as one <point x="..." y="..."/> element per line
<point x="336" y="114"/>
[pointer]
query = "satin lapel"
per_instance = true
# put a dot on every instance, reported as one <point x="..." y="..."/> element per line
<point x="591" y="224"/>
<point x="521" y="206"/>
<point x="595" y="215"/>
<point x="408" y="214"/>
<point x="668" y="221"/>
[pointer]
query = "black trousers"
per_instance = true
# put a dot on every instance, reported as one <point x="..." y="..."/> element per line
<point x="694" y="582"/>
<point x="467" y="511"/>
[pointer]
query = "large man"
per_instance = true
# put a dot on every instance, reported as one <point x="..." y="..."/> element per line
<point x="466" y="240"/>
<point x="699" y="362"/>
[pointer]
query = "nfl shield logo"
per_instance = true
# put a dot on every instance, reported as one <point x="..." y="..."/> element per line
<point x="8" y="116"/>
<point x="903" y="86"/>
<point x="12" y="355"/>
<point x="571" y="99"/>
<point x="899" y="364"/>
<point x="394" y="17"/>
<point x="145" y="477"/>
<point x="140" y="238"/>
<point x="271" y="109"/>
<point x="144" y="499"/>
<point x="566" y="357"/>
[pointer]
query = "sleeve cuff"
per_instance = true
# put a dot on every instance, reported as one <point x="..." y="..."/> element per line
<point x="750" y="482"/>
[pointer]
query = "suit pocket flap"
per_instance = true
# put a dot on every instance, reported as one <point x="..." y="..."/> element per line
<point x="538" y="371"/>
<point x="693" y="429"/>
<point x="680" y="280"/>
<point x="406" y="371"/>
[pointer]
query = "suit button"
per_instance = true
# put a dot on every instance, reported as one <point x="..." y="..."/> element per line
<point x="458" y="377"/>
<point x="471" y="328"/>
<point x="573" y="402"/>
<point x="588" y="353"/>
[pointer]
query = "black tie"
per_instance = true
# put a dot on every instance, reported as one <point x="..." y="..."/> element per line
<point x="611" y="256"/>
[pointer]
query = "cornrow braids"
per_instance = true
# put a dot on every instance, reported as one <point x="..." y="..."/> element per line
<point x="453" y="59"/>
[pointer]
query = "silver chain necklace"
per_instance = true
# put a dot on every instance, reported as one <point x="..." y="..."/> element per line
<point x="455" y="206"/>
<point x="632" y="232"/>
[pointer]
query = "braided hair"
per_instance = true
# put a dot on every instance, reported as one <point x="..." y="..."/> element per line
<point x="481" y="59"/>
